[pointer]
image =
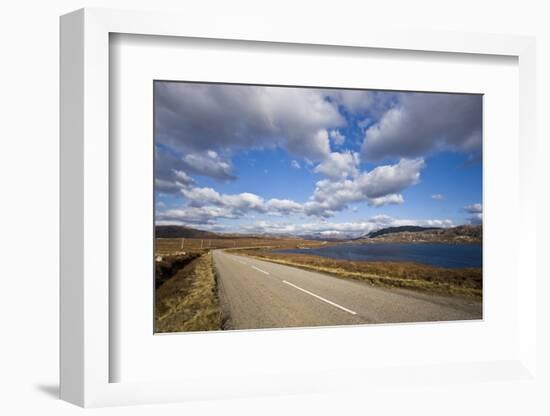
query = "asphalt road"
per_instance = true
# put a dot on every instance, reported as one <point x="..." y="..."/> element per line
<point x="259" y="294"/>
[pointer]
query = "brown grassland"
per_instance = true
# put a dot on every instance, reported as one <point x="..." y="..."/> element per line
<point x="462" y="282"/>
<point x="172" y="246"/>
<point x="167" y="266"/>
<point x="188" y="300"/>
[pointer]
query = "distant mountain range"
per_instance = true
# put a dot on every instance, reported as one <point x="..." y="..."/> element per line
<point x="325" y="236"/>
<point x="404" y="228"/>
<point x="407" y="233"/>
<point x="179" y="231"/>
<point x="415" y="234"/>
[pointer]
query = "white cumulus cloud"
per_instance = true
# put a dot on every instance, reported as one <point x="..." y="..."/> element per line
<point x="352" y="229"/>
<point x="419" y="123"/>
<point x="339" y="165"/>
<point x="192" y="118"/>
<point x="474" y="208"/>
<point x="476" y="213"/>
<point x="337" y="137"/>
<point x="380" y="186"/>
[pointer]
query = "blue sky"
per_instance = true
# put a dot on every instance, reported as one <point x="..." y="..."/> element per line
<point x="338" y="163"/>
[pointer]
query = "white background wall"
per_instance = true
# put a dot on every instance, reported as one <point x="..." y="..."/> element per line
<point x="29" y="189"/>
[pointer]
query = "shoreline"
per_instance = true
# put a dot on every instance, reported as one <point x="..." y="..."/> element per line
<point x="460" y="281"/>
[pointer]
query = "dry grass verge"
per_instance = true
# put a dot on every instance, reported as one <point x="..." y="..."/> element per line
<point x="188" y="300"/>
<point x="463" y="282"/>
<point x="169" y="266"/>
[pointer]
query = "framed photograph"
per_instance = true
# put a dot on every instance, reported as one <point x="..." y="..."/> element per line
<point x="317" y="199"/>
<point x="284" y="206"/>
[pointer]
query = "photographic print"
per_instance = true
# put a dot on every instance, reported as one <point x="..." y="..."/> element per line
<point x="285" y="207"/>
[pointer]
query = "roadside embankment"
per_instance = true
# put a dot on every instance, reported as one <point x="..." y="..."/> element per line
<point x="188" y="300"/>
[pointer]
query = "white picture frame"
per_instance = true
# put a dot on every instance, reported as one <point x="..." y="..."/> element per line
<point x="85" y="210"/>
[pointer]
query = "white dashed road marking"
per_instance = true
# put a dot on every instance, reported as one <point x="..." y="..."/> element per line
<point x="321" y="298"/>
<point x="260" y="270"/>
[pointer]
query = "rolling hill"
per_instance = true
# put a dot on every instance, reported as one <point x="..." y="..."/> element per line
<point x="404" y="228"/>
<point x="414" y="234"/>
<point x="179" y="231"/>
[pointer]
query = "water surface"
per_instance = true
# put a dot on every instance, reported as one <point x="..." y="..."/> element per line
<point x="451" y="256"/>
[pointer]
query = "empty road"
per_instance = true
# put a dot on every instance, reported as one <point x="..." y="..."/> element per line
<point x="260" y="294"/>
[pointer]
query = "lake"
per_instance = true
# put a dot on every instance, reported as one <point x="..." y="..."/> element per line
<point x="452" y="256"/>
